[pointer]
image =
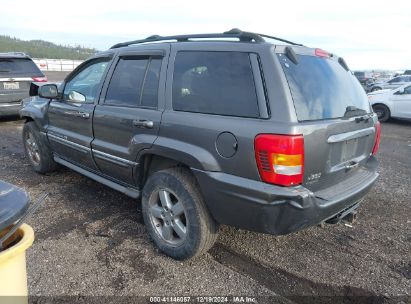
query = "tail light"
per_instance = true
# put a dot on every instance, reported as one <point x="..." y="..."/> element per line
<point x="377" y="138"/>
<point x="321" y="53"/>
<point x="280" y="158"/>
<point x="39" y="79"/>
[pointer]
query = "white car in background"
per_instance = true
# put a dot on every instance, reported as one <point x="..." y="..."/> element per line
<point x="393" y="83"/>
<point x="392" y="103"/>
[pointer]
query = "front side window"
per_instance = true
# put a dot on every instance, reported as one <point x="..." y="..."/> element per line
<point x="83" y="87"/>
<point x="134" y="82"/>
<point x="407" y="90"/>
<point x="219" y="83"/>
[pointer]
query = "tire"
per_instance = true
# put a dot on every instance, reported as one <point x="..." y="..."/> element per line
<point x="382" y="112"/>
<point x="188" y="232"/>
<point x="37" y="150"/>
<point x="375" y="89"/>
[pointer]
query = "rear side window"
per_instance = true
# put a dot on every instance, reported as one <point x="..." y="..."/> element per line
<point x="215" y="83"/>
<point x="134" y="82"/>
<point x="19" y="66"/>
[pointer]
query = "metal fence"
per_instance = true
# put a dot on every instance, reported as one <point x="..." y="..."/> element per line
<point x="56" y="64"/>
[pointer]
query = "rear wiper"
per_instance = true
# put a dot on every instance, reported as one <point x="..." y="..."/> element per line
<point x="352" y="111"/>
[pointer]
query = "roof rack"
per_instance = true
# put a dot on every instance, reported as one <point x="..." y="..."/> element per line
<point x="234" y="33"/>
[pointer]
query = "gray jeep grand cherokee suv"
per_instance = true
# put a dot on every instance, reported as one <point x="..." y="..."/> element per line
<point x="212" y="129"/>
<point x="17" y="71"/>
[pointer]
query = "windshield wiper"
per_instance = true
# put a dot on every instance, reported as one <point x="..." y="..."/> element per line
<point x="352" y="111"/>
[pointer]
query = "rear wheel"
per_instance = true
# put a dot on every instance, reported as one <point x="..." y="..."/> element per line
<point x="37" y="150"/>
<point x="382" y="112"/>
<point x="176" y="216"/>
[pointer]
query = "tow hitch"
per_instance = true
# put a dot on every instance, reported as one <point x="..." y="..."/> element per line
<point x="348" y="215"/>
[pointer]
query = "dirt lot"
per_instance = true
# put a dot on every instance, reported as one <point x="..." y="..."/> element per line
<point x="90" y="240"/>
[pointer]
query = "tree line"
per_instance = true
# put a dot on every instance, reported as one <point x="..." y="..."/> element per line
<point x="44" y="49"/>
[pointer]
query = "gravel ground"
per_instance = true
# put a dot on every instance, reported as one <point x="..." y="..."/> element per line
<point x="90" y="241"/>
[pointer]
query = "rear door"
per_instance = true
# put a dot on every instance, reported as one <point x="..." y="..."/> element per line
<point x="70" y="129"/>
<point x="402" y="103"/>
<point x="215" y="105"/>
<point x="127" y="118"/>
<point x="16" y="75"/>
<point x="334" y="116"/>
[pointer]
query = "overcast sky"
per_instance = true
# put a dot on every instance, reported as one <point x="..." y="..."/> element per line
<point x="368" y="34"/>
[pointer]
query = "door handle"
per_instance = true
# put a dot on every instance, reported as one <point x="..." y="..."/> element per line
<point x="143" y="123"/>
<point x="84" y="115"/>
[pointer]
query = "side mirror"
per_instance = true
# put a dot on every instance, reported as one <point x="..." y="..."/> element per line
<point x="48" y="91"/>
<point x="76" y="97"/>
<point x="400" y="91"/>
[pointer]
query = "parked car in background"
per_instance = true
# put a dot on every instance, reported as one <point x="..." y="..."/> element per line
<point x="363" y="77"/>
<point x="267" y="137"/>
<point x="390" y="84"/>
<point x="17" y="72"/>
<point x="407" y="72"/>
<point x="392" y="103"/>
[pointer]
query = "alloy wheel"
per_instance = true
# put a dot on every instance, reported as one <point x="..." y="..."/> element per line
<point x="168" y="217"/>
<point x="32" y="149"/>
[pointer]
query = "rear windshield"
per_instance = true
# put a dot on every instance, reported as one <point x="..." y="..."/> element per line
<point x="18" y="66"/>
<point x="321" y="88"/>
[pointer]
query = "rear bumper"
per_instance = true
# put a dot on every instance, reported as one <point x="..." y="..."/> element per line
<point x="10" y="108"/>
<point x="261" y="207"/>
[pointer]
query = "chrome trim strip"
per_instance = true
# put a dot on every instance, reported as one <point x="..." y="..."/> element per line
<point x="69" y="143"/>
<point x="114" y="159"/>
<point x="350" y="135"/>
<point x="9" y="105"/>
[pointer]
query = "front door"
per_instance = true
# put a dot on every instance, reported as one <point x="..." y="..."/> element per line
<point x="70" y="128"/>
<point x="402" y="103"/>
<point x="127" y="118"/>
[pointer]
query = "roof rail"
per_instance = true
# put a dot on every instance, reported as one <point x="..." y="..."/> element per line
<point x="233" y="33"/>
<point x="280" y="39"/>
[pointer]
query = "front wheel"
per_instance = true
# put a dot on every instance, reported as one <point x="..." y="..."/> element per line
<point x="37" y="150"/>
<point x="176" y="216"/>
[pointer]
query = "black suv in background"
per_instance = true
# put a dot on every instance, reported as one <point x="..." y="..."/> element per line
<point x="17" y="71"/>
<point x="363" y="77"/>
<point x="229" y="129"/>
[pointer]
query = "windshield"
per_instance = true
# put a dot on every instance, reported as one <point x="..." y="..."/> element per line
<point x="321" y="88"/>
<point x="18" y="66"/>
